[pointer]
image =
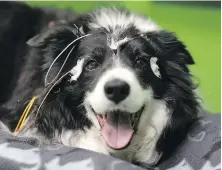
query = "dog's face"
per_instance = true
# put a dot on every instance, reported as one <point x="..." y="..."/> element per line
<point x="121" y="83"/>
<point x="119" y="72"/>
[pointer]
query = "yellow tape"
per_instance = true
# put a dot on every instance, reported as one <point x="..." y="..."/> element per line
<point x="24" y="115"/>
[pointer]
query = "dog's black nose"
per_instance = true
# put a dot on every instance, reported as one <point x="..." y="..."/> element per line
<point x="116" y="90"/>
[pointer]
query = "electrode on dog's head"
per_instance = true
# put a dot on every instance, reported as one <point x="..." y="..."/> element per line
<point x="77" y="70"/>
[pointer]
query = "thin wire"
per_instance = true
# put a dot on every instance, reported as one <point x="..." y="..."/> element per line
<point x="24" y="115"/>
<point x="62" y="65"/>
<point x="46" y="77"/>
<point x="50" y="91"/>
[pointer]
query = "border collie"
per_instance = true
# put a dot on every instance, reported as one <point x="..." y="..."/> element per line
<point x="110" y="80"/>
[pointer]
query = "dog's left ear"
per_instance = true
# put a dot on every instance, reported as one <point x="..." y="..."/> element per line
<point x="170" y="47"/>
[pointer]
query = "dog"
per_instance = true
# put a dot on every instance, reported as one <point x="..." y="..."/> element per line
<point x="109" y="80"/>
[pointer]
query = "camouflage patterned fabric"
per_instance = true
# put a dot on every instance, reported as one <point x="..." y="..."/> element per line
<point x="201" y="151"/>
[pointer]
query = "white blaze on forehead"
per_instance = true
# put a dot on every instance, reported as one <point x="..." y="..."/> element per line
<point x="115" y="44"/>
<point x="77" y="70"/>
<point x="155" y="67"/>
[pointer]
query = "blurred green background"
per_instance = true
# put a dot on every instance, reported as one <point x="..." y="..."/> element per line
<point x="196" y="23"/>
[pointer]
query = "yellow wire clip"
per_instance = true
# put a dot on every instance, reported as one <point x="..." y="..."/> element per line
<point x="24" y="115"/>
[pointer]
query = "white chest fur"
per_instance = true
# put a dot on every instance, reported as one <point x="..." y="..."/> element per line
<point x="88" y="139"/>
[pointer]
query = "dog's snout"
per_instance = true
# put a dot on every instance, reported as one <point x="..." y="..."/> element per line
<point x="116" y="90"/>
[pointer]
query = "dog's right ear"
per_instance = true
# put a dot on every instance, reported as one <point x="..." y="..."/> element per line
<point x="51" y="33"/>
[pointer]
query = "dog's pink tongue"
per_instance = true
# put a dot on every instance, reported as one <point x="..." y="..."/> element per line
<point x="117" y="136"/>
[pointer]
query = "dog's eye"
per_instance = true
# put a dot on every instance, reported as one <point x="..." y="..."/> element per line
<point x="91" y="65"/>
<point x="140" y="62"/>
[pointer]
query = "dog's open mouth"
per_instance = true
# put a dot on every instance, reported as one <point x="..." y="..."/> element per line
<point x="118" y="127"/>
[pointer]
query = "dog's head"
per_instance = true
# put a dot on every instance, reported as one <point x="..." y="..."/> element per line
<point x="124" y="70"/>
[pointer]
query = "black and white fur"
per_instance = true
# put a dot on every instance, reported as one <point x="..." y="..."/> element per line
<point x="119" y="45"/>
